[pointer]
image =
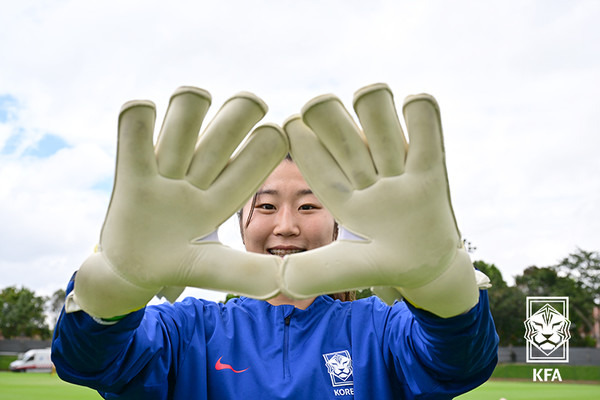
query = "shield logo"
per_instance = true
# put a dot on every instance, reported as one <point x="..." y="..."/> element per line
<point x="547" y="329"/>
<point x="339" y="367"/>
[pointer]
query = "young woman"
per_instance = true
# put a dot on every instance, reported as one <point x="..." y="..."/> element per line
<point x="277" y="230"/>
<point x="282" y="348"/>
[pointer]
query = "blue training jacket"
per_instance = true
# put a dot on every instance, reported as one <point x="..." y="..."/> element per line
<point x="249" y="349"/>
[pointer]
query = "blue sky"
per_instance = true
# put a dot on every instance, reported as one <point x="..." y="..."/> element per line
<point x="8" y="106"/>
<point x="18" y="141"/>
<point x="46" y="146"/>
<point x="517" y="81"/>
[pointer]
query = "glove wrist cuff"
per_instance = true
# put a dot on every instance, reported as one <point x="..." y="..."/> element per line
<point x="103" y="293"/>
<point x="453" y="292"/>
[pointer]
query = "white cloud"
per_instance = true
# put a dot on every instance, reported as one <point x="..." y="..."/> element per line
<point x="517" y="83"/>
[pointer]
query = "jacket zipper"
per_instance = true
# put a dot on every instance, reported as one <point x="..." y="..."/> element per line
<point x="286" y="345"/>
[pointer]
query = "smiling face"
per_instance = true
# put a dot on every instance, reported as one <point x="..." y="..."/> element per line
<point x="287" y="218"/>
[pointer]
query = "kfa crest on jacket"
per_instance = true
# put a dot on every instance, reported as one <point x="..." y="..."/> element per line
<point x="339" y="367"/>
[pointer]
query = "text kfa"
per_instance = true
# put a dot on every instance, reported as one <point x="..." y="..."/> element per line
<point x="546" y="375"/>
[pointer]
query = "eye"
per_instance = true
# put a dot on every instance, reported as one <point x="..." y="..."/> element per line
<point x="265" y="206"/>
<point x="308" y="207"/>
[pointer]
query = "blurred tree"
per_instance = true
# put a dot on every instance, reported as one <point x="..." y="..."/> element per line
<point x="492" y="272"/>
<point x="584" y="268"/>
<point x="470" y="247"/>
<point x="364" y="293"/>
<point x="229" y="297"/>
<point x="507" y="305"/>
<point x="22" y="313"/>
<point x="54" y="306"/>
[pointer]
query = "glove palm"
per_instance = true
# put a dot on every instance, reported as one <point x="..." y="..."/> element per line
<point x="168" y="199"/>
<point x="394" y="196"/>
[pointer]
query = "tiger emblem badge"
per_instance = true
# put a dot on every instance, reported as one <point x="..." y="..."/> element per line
<point x="547" y="329"/>
<point x="339" y="367"/>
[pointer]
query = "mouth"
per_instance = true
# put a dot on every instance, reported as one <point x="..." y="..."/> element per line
<point x="284" y="252"/>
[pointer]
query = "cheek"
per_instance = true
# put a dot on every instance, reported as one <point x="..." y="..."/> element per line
<point x="255" y="235"/>
<point x="322" y="231"/>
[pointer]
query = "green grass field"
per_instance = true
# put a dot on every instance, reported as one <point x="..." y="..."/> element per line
<point x="568" y="372"/>
<point x="5" y="361"/>
<point x="14" y="386"/>
<point x="509" y="390"/>
<point x="30" y="386"/>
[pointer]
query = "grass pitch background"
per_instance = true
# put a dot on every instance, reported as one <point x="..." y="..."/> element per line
<point x="34" y="386"/>
<point x="509" y="390"/>
<point x="37" y="386"/>
<point x="509" y="381"/>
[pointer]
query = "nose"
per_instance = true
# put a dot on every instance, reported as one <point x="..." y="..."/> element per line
<point x="287" y="223"/>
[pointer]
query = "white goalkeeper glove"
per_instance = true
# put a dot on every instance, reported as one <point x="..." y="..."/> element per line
<point x="168" y="200"/>
<point x="392" y="194"/>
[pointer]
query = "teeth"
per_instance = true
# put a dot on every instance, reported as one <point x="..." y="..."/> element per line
<point x="282" y="252"/>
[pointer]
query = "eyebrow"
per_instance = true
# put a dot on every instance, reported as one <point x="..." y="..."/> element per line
<point x="302" y="192"/>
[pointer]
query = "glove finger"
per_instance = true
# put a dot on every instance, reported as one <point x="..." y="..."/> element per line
<point x="426" y="148"/>
<point x="334" y="126"/>
<point x="135" y="150"/>
<point x="223" y="135"/>
<point x="376" y="111"/>
<point x="218" y="267"/>
<point x="179" y="133"/>
<point x="262" y="152"/>
<point x="338" y="267"/>
<point x="319" y="168"/>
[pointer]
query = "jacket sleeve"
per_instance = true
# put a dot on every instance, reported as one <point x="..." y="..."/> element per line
<point x="437" y="358"/>
<point x="135" y="357"/>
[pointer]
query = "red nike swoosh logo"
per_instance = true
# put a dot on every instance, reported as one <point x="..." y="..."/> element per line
<point x="219" y="366"/>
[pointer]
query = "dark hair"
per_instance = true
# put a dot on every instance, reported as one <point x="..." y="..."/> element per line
<point x="342" y="296"/>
